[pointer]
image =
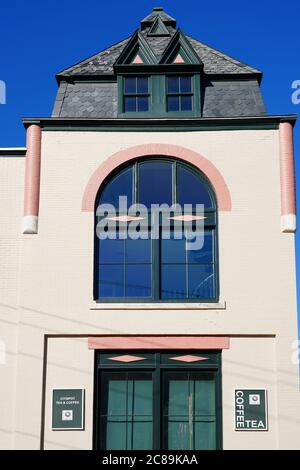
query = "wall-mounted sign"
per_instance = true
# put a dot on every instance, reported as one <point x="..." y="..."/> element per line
<point x="251" y="410"/>
<point x="68" y="409"/>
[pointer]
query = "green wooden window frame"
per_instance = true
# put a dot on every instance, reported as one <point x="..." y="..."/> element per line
<point x="180" y="94"/>
<point x="136" y="94"/>
<point x="157" y="402"/>
<point x="157" y="88"/>
<point x="155" y="263"/>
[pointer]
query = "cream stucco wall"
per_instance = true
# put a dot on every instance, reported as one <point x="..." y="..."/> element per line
<point x="257" y="280"/>
<point x="11" y="206"/>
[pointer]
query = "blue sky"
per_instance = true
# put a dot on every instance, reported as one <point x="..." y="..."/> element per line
<point x="38" y="39"/>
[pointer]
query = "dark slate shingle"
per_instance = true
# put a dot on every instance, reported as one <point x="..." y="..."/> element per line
<point x="92" y="100"/>
<point x="232" y="99"/>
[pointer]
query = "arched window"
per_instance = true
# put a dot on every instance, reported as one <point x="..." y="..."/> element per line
<point x="166" y="266"/>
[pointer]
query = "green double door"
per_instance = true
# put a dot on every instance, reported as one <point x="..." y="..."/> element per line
<point x="166" y="407"/>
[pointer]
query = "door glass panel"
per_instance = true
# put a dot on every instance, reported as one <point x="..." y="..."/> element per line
<point x="189" y="421"/>
<point x="126" y="411"/>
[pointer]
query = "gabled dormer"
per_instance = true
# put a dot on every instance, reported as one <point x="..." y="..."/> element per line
<point x="136" y="52"/>
<point x="164" y="85"/>
<point x="158" y="28"/>
<point x="179" y="51"/>
<point x="159" y="72"/>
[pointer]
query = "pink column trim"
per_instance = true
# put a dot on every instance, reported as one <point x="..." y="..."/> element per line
<point x="158" y="342"/>
<point x="32" y="178"/>
<point x="287" y="178"/>
<point x="175" y="151"/>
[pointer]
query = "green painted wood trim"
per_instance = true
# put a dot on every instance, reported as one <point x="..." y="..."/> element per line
<point x="158" y="367"/>
<point x="157" y="128"/>
<point x="190" y="123"/>
<point x="157" y="68"/>
<point x="158" y="99"/>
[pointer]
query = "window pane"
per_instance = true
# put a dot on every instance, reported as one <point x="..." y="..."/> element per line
<point x="186" y="103"/>
<point x="138" y="280"/>
<point x="120" y="185"/>
<point x="138" y="251"/>
<point x="185" y="84"/>
<point x="127" y="410"/>
<point x="111" y="251"/>
<point x="155" y="183"/>
<point x="173" y="250"/>
<point x="173" y="84"/>
<point x="173" y="103"/>
<point x="130" y="104"/>
<point x="189" y="410"/>
<point x="201" y="281"/>
<point x="142" y="84"/>
<point x="130" y="85"/>
<point x="173" y="281"/>
<point x="142" y="103"/>
<point x="191" y="190"/>
<point x="204" y="254"/>
<point x="111" y="280"/>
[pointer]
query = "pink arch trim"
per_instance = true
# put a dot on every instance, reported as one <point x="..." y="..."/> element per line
<point x="174" y="151"/>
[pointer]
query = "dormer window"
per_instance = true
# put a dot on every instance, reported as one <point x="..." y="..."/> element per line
<point x="179" y="93"/>
<point x="136" y="94"/>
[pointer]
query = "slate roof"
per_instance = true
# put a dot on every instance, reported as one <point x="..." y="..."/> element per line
<point x="215" y="62"/>
<point x="235" y="94"/>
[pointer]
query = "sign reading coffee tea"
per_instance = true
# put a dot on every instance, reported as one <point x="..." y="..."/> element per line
<point x="251" y="410"/>
<point x="68" y="409"/>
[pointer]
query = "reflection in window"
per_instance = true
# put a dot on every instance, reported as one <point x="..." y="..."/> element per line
<point x="163" y="269"/>
<point x="136" y="94"/>
<point x="179" y="93"/>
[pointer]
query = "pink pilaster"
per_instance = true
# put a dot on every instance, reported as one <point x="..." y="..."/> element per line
<point x="287" y="178"/>
<point x="32" y="179"/>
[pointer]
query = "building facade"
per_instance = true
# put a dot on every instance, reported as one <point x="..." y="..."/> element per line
<point x="142" y="343"/>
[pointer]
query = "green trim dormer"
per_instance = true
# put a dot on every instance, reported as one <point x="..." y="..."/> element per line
<point x="179" y="46"/>
<point x="158" y="28"/>
<point x="137" y="47"/>
<point x="178" y="60"/>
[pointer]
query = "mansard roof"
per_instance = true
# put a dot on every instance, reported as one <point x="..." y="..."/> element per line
<point x="157" y="31"/>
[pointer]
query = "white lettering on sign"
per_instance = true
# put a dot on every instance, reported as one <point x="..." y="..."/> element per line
<point x="250" y="410"/>
<point x="239" y="409"/>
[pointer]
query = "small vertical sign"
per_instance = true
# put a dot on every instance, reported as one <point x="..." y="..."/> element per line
<point x="251" y="410"/>
<point x="68" y="409"/>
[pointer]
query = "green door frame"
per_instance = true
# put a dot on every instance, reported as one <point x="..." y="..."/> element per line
<point x="157" y="362"/>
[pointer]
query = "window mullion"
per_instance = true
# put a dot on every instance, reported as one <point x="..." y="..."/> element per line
<point x="155" y="267"/>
